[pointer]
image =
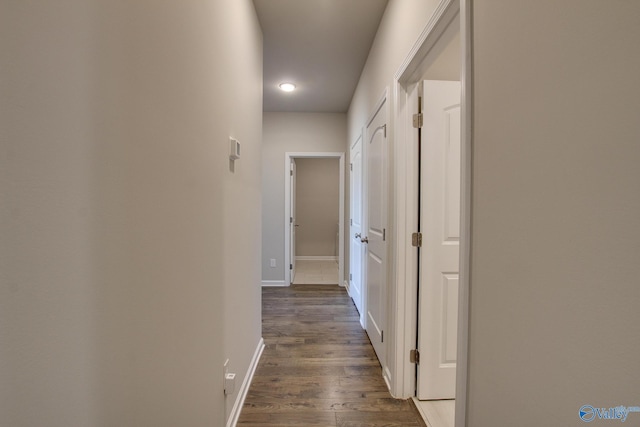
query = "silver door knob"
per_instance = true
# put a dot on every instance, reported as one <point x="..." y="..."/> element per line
<point x="364" y="240"/>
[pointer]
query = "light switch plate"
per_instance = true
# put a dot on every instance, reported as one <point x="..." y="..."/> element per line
<point x="234" y="149"/>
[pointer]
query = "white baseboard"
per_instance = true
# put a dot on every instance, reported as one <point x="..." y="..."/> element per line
<point x="274" y="283"/>
<point x="345" y="284"/>
<point x="244" y="388"/>
<point x="317" y="258"/>
<point x="386" y="375"/>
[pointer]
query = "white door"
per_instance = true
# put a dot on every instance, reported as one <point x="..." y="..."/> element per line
<point x="440" y="227"/>
<point x="292" y="222"/>
<point x="375" y="223"/>
<point x="355" y="228"/>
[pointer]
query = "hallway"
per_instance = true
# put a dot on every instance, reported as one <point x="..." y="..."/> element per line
<point x="318" y="367"/>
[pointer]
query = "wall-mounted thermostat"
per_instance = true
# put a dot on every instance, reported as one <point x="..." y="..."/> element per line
<point x="234" y="149"/>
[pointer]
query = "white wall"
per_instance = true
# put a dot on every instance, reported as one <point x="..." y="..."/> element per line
<point x="317" y="206"/>
<point x="554" y="320"/>
<point x="399" y="29"/>
<point x="116" y="192"/>
<point x="290" y="132"/>
<point x="402" y="23"/>
<point x="242" y="203"/>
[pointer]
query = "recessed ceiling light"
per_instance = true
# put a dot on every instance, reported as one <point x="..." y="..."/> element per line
<point x="287" y="87"/>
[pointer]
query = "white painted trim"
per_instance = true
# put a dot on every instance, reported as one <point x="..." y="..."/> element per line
<point x="268" y="283"/>
<point x="462" y="364"/>
<point x="413" y="66"/>
<point x="408" y="74"/>
<point x="317" y="258"/>
<point x="386" y="376"/>
<point x="244" y="388"/>
<point x="287" y="207"/>
<point x="406" y="279"/>
<point x="383" y="98"/>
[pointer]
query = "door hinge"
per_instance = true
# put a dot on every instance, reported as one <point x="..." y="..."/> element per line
<point x="416" y="240"/>
<point x="290" y="266"/>
<point x="382" y="336"/>
<point x="351" y="166"/>
<point x="414" y="356"/>
<point x="291" y="173"/>
<point x="351" y="221"/>
<point x="290" y="220"/>
<point x="350" y="276"/>
<point x="384" y="234"/>
<point x="417" y="120"/>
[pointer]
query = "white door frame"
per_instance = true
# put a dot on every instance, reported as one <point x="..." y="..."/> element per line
<point x="410" y="72"/>
<point x="287" y="209"/>
<point x="292" y="222"/>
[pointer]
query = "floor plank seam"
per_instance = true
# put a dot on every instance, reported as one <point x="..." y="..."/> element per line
<point x="318" y="367"/>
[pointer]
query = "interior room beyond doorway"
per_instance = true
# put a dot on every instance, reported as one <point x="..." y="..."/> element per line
<point x="316" y="220"/>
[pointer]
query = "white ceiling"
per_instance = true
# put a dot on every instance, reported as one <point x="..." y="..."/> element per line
<point x="320" y="45"/>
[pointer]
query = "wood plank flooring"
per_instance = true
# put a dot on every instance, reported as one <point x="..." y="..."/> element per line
<point x="318" y="367"/>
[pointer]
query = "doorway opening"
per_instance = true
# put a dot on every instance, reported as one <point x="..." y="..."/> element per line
<point x="314" y="226"/>
<point x="315" y="208"/>
<point x="439" y="301"/>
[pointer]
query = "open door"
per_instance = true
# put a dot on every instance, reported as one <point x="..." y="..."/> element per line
<point x="292" y="221"/>
<point x="356" y="226"/>
<point x="440" y="228"/>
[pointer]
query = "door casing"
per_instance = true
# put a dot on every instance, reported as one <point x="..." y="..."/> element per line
<point x="292" y="221"/>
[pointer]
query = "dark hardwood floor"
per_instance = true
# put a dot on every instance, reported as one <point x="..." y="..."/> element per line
<point x="318" y="367"/>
